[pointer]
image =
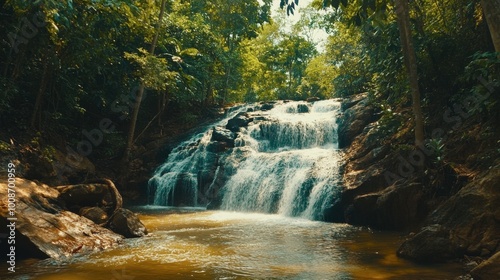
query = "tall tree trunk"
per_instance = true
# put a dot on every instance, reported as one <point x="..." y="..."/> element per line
<point x="491" y="9"/>
<point x="403" y="19"/>
<point x="37" y="110"/>
<point x="140" y="92"/>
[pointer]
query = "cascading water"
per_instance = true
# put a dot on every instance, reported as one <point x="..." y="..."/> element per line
<point x="283" y="160"/>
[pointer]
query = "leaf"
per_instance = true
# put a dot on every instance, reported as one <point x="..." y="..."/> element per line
<point x="190" y="52"/>
<point x="282" y="4"/>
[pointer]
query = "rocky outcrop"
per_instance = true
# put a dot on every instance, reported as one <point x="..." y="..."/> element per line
<point x="55" y="231"/>
<point x="357" y="114"/>
<point x="66" y="220"/>
<point x="470" y="220"/>
<point x="452" y="214"/>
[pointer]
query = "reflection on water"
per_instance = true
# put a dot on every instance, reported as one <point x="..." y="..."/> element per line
<point x="188" y="244"/>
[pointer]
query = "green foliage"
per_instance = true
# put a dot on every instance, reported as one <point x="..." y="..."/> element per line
<point x="83" y="57"/>
<point x="483" y="74"/>
<point x="390" y="122"/>
<point x="276" y="65"/>
<point x="436" y="145"/>
<point x="153" y="71"/>
<point x="318" y="78"/>
<point x="4" y="147"/>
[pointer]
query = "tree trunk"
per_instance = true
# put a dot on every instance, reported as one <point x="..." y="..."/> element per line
<point x="140" y="93"/>
<point x="37" y="110"/>
<point x="491" y="9"/>
<point x="403" y="19"/>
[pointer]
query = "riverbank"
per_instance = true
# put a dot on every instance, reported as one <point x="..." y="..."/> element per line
<point x="444" y="195"/>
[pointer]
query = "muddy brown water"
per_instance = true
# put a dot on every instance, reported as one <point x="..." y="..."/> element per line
<point x="195" y="244"/>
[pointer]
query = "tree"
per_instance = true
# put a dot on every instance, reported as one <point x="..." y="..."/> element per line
<point x="403" y="20"/>
<point x="140" y="92"/>
<point x="318" y="79"/>
<point x="410" y="57"/>
<point x="491" y="10"/>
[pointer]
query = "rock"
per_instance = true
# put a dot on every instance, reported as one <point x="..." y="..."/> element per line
<point x="432" y="244"/>
<point x="302" y="108"/>
<point x="217" y="147"/>
<point x="397" y="207"/>
<point x="126" y="223"/>
<point x="185" y="190"/>
<point x="471" y="265"/>
<point x="313" y="99"/>
<point x="240" y="120"/>
<point x="353" y="100"/>
<point x="354" y="120"/>
<point x="266" y="106"/>
<point x="472" y="215"/>
<point x="221" y="134"/>
<point x="54" y="231"/>
<point x="95" y="214"/>
<point x="102" y="193"/>
<point x="489" y="269"/>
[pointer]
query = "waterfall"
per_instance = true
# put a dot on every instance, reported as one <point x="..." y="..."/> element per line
<point x="274" y="158"/>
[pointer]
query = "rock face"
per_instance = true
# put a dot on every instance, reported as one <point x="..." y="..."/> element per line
<point x="456" y="216"/>
<point x="470" y="219"/>
<point x="53" y="230"/>
<point x="358" y="113"/>
<point x="368" y="198"/>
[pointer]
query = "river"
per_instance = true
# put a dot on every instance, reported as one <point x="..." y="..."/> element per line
<point x="189" y="243"/>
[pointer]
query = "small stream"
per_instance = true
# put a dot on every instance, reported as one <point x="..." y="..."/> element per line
<point x="190" y="243"/>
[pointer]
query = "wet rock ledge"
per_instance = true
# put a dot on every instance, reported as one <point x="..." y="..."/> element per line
<point x="60" y="222"/>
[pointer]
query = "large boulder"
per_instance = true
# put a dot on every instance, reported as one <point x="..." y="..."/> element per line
<point x="240" y="120"/>
<point x="126" y="223"/>
<point x="302" y="108"/>
<point x="267" y="106"/>
<point x="224" y="135"/>
<point x="432" y="244"/>
<point x="52" y="230"/>
<point x="471" y="216"/>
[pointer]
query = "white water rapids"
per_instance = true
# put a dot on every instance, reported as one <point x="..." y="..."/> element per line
<point x="284" y="161"/>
